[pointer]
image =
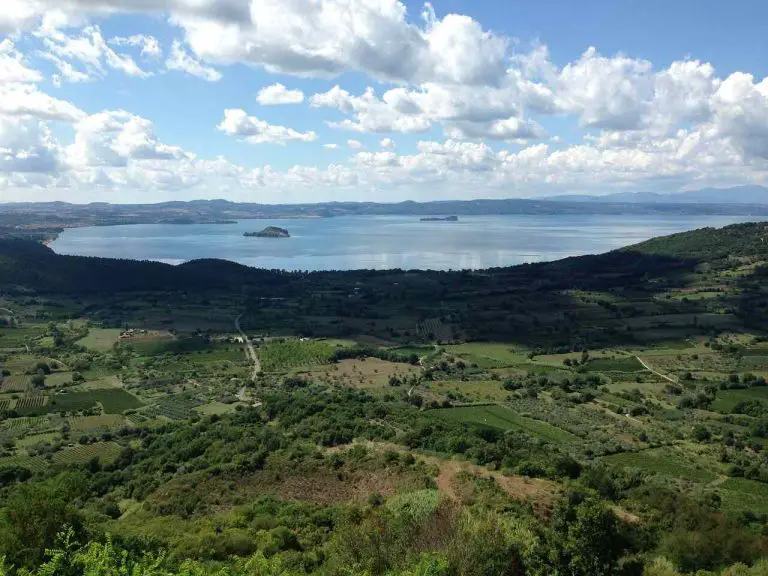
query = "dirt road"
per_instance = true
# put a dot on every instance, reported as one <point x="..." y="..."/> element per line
<point x="250" y="353"/>
<point x="674" y="381"/>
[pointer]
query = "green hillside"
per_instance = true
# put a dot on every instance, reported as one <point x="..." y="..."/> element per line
<point x="600" y="415"/>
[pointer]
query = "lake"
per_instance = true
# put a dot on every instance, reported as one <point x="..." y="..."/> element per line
<point x="381" y="242"/>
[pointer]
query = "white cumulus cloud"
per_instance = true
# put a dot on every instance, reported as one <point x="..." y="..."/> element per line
<point x="182" y="61"/>
<point x="255" y="131"/>
<point x="279" y="94"/>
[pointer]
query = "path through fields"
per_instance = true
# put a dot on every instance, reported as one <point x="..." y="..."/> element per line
<point x="250" y="353"/>
<point x="647" y="367"/>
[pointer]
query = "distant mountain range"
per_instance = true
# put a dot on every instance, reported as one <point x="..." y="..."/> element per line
<point x="44" y="221"/>
<point x="736" y="195"/>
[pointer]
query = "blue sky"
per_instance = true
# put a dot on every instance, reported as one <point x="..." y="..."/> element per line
<point x="378" y="100"/>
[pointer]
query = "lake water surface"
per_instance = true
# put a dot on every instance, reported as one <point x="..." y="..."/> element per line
<point x="353" y="242"/>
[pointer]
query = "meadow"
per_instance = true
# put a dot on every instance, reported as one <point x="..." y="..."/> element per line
<point x="290" y="353"/>
<point x="497" y="416"/>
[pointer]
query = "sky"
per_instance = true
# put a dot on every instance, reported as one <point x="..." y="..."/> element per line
<point x="285" y="101"/>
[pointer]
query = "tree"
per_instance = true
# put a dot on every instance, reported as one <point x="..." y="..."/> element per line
<point x="34" y="515"/>
<point x="587" y="539"/>
<point x="584" y="356"/>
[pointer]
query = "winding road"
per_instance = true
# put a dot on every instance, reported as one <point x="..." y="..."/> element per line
<point x="647" y="367"/>
<point x="249" y="351"/>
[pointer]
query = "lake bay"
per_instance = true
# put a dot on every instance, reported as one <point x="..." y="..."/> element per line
<point x="382" y="242"/>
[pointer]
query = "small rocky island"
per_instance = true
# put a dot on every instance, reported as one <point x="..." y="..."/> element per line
<point x="269" y="232"/>
<point x="440" y="219"/>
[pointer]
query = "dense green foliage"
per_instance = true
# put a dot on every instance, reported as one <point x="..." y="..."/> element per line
<point x="614" y="424"/>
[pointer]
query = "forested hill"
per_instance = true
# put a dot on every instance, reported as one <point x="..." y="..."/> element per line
<point x="706" y="244"/>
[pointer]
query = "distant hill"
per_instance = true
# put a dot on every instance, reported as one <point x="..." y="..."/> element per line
<point x="44" y="221"/>
<point x="740" y="195"/>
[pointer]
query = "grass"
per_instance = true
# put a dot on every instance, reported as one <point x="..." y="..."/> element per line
<point x="31" y="404"/>
<point x="32" y="463"/>
<point x="488" y="355"/>
<point x="218" y="408"/>
<point x="106" y="452"/>
<point x="57" y="379"/>
<point x="292" y="353"/>
<point x="476" y="389"/>
<point x="100" y="339"/>
<point x="408" y="350"/>
<point x="742" y="494"/>
<point x="368" y="373"/>
<point x="624" y="364"/>
<point x="114" y="401"/>
<point x="177" y="407"/>
<point x="496" y="416"/>
<point x="33" y="439"/>
<point x="22" y="423"/>
<point x="726" y="400"/>
<point x="100" y="422"/>
<point x="155" y="346"/>
<point x="14" y="383"/>
<point x="659" y="461"/>
<point x="17" y="337"/>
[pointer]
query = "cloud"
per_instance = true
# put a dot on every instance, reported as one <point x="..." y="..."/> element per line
<point x="180" y="60"/>
<point x="26" y="100"/>
<point x="740" y="113"/>
<point x="84" y="56"/>
<point x="611" y="93"/>
<point x="630" y="125"/>
<point x="331" y="146"/>
<point x="464" y="112"/>
<point x="13" y="67"/>
<point x="149" y="45"/>
<point x="27" y="146"/>
<point x="113" y="138"/>
<point x="251" y="129"/>
<point x="310" y="37"/>
<point x="279" y="94"/>
<point x="372" y="114"/>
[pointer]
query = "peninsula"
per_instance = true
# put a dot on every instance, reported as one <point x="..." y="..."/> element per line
<point x="440" y="219"/>
<point x="269" y="232"/>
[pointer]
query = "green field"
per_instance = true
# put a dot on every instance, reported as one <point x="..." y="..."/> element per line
<point x="100" y="422"/>
<point x="106" y="452"/>
<point x="14" y="383"/>
<point x="488" y="355"/>
<point x="742" y="494"/>
<point x="33" y="439"/>
<point x="177" y="407"/>
<point x="497" y="416"/>
<point x="218" y="408"/>
<point x="100" y="339"/>
<point x="168" y="345"/>
<point x="114" y="401"/>
<point x="659" y="461"/>
<point x="726" y="400"/>
<point x="293" y="353"/>
<point x="621" y="364"/>
<point x="57" y="379"/>
<point x="17" y="337"/>
<point x="34" y="463"/>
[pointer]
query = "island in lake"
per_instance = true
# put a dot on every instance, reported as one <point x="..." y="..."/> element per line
<point x="440" y="219"/>
<point x="269" y="232"/>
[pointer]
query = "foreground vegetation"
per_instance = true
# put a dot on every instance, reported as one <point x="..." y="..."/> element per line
<point x="597" y="415"/>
